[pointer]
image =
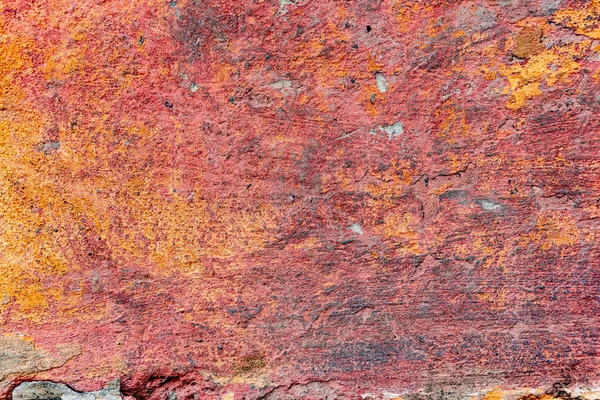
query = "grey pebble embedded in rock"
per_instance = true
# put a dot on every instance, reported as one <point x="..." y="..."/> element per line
<point x="382" y="85"/>
<point x="356" y="228"/>
<point x="488" y="205"/>
<point x="392" y="131"/>
<point x="46" y="390"/>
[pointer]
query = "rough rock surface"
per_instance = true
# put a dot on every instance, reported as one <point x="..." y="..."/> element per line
<point x="44" y="390"/>
<point x="220" y="199"/>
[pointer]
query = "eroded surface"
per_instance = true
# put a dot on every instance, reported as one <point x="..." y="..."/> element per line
<point x="218" y="199"/>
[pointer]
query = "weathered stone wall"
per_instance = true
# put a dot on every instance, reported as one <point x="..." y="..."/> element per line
<point x="219" y="199"/>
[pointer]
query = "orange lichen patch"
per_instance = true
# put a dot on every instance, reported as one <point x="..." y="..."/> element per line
<point x="583" y="20"/>
<point x="557" y="230"/>
<point x="222" y="72"/>
<point x="175" y="231"/>
<point x="326" y="57"/>
<point x="549" y="67"/>
<point x="392" y="181"/>
<point x="592" y="210"/>
<point x="12" y="60"/>
<point x="495" y="394"/>
<point x="487" y="247"/>
<point x="394" y="225"/>
<point x="433" y="28"/>
<point x="541" y="23"/>
<point x="407" y="13"/>
<point x="39" y="225"/>
<point x="60" y="186"/>
<point x="339" y="179"/>
<point x="453" y="123"/>
<point x="494" y="297"/>
<point x="388" y="183"/>
<point x="489" y="69"/>
<point x="538" y="394"/>
<point x="373" y="100"/>
<point x="33" y="246"/>
<point x="63" y="62"/>
<point x="398" y="225"/>
<point x="373" y="65"/>
<point x="539" y="397"/>
<point x="306" y="244"/>
<point x="459" y="33"/>
<point x="480" y="36"/>
<point x="553" y="230"/>
<point x="528" y="42"/>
